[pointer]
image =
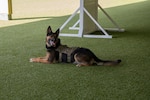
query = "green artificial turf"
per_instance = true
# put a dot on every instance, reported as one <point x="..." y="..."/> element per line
<point x="22" y="80"/>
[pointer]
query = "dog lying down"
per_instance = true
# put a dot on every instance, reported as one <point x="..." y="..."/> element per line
<point x="56" y="52"/>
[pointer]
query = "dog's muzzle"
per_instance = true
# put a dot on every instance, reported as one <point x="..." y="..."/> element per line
<point x="51" y="42"/>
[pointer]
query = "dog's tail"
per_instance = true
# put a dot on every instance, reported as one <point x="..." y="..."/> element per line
<point x="106" y="62"/>
<point x="109" y="63"/>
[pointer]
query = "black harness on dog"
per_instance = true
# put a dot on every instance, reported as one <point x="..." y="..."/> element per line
<point x="63" y="53"/>
<point x="66" y="54"/>
<point x="65" y="58"/>
<point x="62" y="56"/>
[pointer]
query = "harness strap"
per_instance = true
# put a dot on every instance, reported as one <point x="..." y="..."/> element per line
<point x="64" y="58"/>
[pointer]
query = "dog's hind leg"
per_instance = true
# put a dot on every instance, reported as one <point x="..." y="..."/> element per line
<point x="83" y="60"/>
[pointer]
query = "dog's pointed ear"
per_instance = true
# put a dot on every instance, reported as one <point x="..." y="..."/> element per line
<point x="57" y="32"/>
<point x="49" y="30"/>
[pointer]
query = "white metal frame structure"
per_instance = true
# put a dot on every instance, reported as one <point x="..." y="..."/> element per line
<point x="82" y="10"/>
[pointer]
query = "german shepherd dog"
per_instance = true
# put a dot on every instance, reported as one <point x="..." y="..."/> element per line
<point x="56" y="52"/>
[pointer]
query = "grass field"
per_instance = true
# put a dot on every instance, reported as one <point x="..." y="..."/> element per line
<point x="22" y="80"/>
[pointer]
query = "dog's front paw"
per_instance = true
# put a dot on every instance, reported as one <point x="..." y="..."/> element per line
<point x="31" y="60"/>
<point x="78" y="65"/>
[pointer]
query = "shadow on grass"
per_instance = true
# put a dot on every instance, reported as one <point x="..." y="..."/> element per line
<point x="33" y="18"/>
